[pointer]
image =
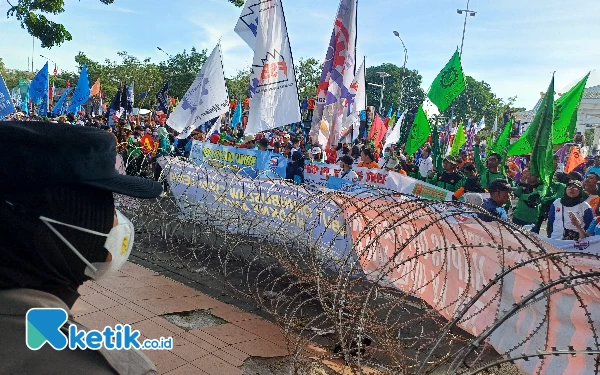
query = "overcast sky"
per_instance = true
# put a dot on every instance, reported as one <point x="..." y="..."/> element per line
<point x="514" y="45"/>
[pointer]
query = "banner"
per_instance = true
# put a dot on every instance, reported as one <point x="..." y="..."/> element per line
<point x="447" y="277"/>
<point x="81" y="93"/>
<point x="273" y="89"/>
<point x="162" y="98"/>
<point x="206" y="99"/>
<point x="247" y="25"/>
<point x="284" y="207"/>
<point x="317" y="174"/>
<point x="249" y="163"/>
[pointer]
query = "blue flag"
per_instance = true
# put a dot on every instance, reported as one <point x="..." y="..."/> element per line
<point x="81" y="93"/>
<point x="237" y="115"/>
<point x="144" y="94"/>
<point x="389" y="115"/>
<point x="6" y="104"/>
<point x="61" y="105"/>
<point x="25" y="104"/>
<point x="38" y="90"/>
<point x="162" y="98"/>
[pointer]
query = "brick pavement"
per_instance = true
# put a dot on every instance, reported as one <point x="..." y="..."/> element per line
<point x="138" y="296"/>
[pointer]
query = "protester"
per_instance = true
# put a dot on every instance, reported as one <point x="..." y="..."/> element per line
<point x="569" y="212"/>
<point x="594" y="168"/>
<point x="367" y="159"/>
<point x="346" y="163"/>
<point x="295" y="168"/>
<point x="590" y="188"/>
<point x="263" y="144"/>
<point x="492" y="169"/>
<point x="449" y="178"/>
<point x="471" y="183"/>
<point x="500" y="195"/>
<point x="425" y="163"/>
<point x="59" y="229"/>
<point x="355" y="153"/>
<point x="530" y="193"/>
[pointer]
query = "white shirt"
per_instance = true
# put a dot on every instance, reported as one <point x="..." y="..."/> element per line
<point x="425" y="166"/>
<point x="350" y="176"/>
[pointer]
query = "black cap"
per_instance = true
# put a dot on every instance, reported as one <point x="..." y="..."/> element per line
<point x="452" y="159"/>
<point x="39" y="154"/>
<point x="499" y="185"/>
<point x="576" y="183"/>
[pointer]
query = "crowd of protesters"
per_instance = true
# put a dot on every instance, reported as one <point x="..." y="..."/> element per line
<point x="569" y="205"/>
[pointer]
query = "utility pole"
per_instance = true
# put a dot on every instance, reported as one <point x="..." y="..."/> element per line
<point x="383" y="75"/>
<point x="467" y="12"/>
<point x="397" y="34"/>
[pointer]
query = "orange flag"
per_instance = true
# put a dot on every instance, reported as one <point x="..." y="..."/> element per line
<point x="95" y="90"/>
<point x="575" y="159"/>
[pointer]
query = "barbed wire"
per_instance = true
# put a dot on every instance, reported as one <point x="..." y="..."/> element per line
<point x="373" y="280"/>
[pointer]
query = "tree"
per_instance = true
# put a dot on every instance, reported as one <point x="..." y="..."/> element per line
<point x="181" y="70"/>
<point x="308" y="75"/>
<point x="409" y="80"/>
<point x="237" y="86"/>
<point x="478" y="101"/>
<point x="31" y="15"/>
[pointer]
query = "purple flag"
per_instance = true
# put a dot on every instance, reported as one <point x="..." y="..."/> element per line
<point x="562" y="154"/>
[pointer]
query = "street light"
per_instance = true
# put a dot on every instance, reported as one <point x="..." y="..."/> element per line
<point x="397" y="34"/>
<point x="467" y="13"/>
<point x="44" y="57"/>
<point x="383" y="75"/>
<point x="163" y="51"/>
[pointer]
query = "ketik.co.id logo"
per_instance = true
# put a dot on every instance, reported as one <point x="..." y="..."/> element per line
<point x="44" y="325"/>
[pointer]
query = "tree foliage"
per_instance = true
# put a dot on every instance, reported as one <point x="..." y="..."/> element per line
<point x="405" y="80"/>
<point x="181" y="70"/>
<point x="308" y="75"/>
<point x="478" y="101"/>
<point x="32" y="16"/>
<point x="237" y="86"/>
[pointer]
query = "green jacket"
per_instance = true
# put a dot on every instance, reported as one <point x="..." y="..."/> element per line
<point x="485" y="175"/>
<point x="133" y="148"/>
<point x="448" y="182"/>
<point x="555" y="191"/>
<point x="528" y="205"/>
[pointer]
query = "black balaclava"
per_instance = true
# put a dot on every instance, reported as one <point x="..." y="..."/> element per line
<point x="33" y="257"/>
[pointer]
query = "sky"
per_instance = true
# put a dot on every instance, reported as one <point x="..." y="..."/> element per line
<point x="514" y="45"/>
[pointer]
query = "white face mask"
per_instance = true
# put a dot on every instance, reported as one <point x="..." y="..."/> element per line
<point x="119" y="242"/>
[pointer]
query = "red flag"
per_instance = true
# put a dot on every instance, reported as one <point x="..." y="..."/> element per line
<point x="378" y="130"/>
<point x="68" y="84"/>
<point x="51" y="92"/>
<point x="575" y="160"/>
<point x="95" y="90"/>
<point x="55" y="71"/>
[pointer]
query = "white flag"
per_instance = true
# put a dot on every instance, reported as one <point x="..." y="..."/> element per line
<point x="273" y="89"/>
<point x="206" y="99"/>
<point x="339" y="67"/>
<point x="354" y="104"/>
<point x="394" y="135"/>
<point x="247" y="25"/>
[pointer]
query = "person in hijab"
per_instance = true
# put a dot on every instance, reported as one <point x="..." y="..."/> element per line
<point x="568" y="213"/>
<point x="295" y="168"/>
<point x="59" y="228"/>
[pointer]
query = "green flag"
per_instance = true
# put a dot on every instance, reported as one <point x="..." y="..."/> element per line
<point x="459" y="140"/>
<point x="542" y="164"/>
<point x="419" y="132"/>
<point x="565" y="113"/>
<point x="449" y="84"/>
<point x="503" y="140"/>
<point x="436" y="151"/>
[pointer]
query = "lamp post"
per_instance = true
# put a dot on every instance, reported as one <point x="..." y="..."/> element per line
<point x="383" y="75"/>
<point x="163" y="51"/>
<point x="49" y="59"/>
<point x="397" y="34"/>
<point x="467" y="13"/>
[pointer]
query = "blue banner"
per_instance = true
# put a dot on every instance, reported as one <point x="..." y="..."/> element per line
<point x="162" y="99"/>
<point x="61" y="105"/>
<point x="82" y="91"/>
<point x="250" y="163"/>
<point x="6" y="104"/>
<point x="237" y="116"/>
<point x="38" y="90"/>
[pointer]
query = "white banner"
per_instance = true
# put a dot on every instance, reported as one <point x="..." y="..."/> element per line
<point x="317" y="174"/>
<point x="394" y="136"/>
<point x="206" y="99"/>
<point x="273" y="90"/>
